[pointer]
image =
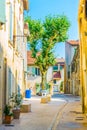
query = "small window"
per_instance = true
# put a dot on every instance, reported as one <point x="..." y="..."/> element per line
<point x="55" y="68"/>
<point x="54" y="81"/>
<point x="37" y="71"/>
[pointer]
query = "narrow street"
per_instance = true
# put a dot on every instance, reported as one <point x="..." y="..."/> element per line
<point x="43" y="47"/>
<point x="71" y="117"/>
<point x="62" y="112"/>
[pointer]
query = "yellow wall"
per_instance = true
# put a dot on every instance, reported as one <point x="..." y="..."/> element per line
<point x="82" y="20"/>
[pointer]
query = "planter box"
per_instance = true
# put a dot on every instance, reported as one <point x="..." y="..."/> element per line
<point x="25" y="108"/>
<point x="7" y="119"/>
<point x="44" y="100"/>
<point x="49" y="98"/>
<point x="16" y="113"/>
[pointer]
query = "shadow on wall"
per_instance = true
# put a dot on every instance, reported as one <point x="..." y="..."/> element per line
<point x="8" y="82"/>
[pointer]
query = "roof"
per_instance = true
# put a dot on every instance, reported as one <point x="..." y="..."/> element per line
<point x="73" y="42"/>
<point x="60" y="60"/>
<point x="30" y="60"/>
<point x="57" y="75"/>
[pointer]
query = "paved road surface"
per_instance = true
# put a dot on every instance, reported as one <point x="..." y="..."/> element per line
<point x="43" y="116"/>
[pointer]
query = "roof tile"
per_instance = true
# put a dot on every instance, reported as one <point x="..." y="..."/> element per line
<point x="73" y="42"/>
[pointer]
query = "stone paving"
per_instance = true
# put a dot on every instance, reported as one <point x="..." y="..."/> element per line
<point x="72" y="118"/>
<point x="55" y="115"/>
<point x="41" y="116"/>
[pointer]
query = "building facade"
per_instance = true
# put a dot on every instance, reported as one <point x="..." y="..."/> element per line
<point x="58" y="75"/>
<point x="54" y="77"/>
<point x="82" y="21"/>
<point x="75" y="74"/>
<point x="70" y="48"/>
<point x="12" y="55"/>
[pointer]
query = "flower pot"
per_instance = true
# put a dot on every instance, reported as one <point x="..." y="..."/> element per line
<point x="7" y="119"/>
<point x="16" y="113"/>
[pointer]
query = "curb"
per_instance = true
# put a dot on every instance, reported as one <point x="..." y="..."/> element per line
<point x="55" y="121"/>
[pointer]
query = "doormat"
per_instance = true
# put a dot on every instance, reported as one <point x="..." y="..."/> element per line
<point x="9" y="125"/>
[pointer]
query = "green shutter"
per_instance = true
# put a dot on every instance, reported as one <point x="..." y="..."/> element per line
<point x="33" y="70"/>
<point x="2" y="11"/>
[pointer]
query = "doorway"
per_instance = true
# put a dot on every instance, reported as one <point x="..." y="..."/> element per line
<point x="0" y="91"/>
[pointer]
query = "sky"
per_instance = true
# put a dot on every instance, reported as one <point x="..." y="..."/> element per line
<point x="38" y="9"/>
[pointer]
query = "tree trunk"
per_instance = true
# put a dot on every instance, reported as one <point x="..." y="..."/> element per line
<point x="43" y="82"/>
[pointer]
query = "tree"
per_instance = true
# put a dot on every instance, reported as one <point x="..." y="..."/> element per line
<point x="61" y="86"/>
<point x="43" y="37"/>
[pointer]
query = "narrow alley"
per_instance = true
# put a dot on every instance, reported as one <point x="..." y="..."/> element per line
<point x="62" y="112"/>
<point x="43" y="65"/>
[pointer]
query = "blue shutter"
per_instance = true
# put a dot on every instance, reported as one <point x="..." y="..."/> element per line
<point x="11" y="36"/>
<point x="2" y="11"/>
<point x="33" y="70"/>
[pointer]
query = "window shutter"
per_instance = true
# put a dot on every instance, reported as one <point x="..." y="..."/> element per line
<point x="11" y="36"/>
<point x="9" y="82"/>
<point x="2" y="11"/>
<point x="33" y="70"/>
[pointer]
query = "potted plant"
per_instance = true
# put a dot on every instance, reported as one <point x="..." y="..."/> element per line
<point x="8" y="114"/>
<point x="17" y="101"/>
<point x="61" y="86"/>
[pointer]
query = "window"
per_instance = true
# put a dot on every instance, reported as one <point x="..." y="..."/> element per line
<point x="37" y="71"/>
<point x="55" y="68"/>
<point x="61" y="67"/>
<point x="9" y="82"/>
<point x="10" y="23"/>
<point x="54" y="81"/>
<point x="68" y="74"/>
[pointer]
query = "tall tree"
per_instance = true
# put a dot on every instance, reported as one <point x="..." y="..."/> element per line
<point x="43" y="37"/>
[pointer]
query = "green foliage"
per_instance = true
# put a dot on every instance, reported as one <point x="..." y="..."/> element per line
<point x="56" y="28"/>
<point x="46" y="35"/>
<point x="37" y="87"/>
<point x="61" y="86"/>
<point x="16" y="99"/>
<point x="47" y="86"/>
<point x="7" y="110"/>
<point x="36" y="30"/>
<point x="44" y="60"/>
